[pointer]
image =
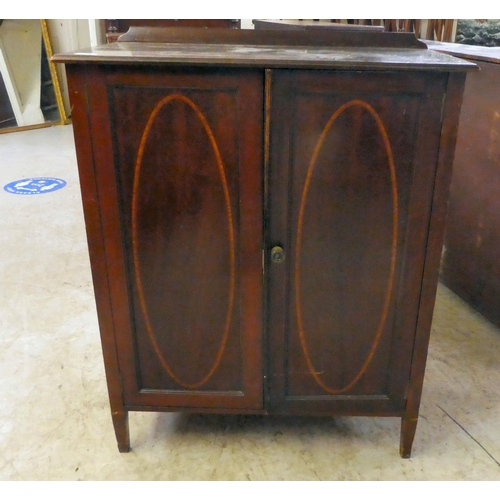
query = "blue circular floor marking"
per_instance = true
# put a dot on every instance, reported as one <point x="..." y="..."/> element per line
<point x="35" y="185"/>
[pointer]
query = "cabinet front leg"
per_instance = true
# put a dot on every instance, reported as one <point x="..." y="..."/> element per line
<point x="120" y="423"/>
<point x="408" y="428"/>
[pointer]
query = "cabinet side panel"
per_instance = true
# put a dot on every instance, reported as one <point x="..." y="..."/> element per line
<point x="95" y="237"/>
<point x="437" y="222"/>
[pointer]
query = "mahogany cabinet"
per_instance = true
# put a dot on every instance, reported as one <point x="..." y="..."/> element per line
<point x="265" y="213"/>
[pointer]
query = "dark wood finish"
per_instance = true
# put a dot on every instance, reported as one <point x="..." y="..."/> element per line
<point x="271" y="38"/>
<point x="410" y="26"/>
<point x="435" y="234"/>
<point x="265" y="239"/>
<point x="470" y="263"/>
<point x="102" y="273"/>
<point x="269" y="48"/>
<point x="123" y="25"/>
<point x="266" y="24"/>
<point x="208" y="233"/>
<point x="390" y="25"/>
<point x="120" y="424"/>
<point x="343" y="176"/>
<point x="439" y="29"/>
<point x="117" y="27"/>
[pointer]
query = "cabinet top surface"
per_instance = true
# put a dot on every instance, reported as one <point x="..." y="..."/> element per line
<point x="268" y="48"/>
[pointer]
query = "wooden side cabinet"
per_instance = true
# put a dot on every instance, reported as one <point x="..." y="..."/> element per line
<point x="470" y="265"/>
<point x="265" y="214"/>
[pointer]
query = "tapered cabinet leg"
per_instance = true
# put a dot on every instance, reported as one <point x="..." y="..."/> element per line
<point x="120" y="423"/>
<point x="408" y="428"/>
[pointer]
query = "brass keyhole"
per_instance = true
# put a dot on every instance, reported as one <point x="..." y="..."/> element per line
<point x="277" y="255"/>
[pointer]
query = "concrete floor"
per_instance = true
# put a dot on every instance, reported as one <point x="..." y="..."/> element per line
<point x="54" y="416"/>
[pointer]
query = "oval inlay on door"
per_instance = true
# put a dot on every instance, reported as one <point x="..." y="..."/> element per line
<point x="351" y="175"/>
<point x="183" y="241"/>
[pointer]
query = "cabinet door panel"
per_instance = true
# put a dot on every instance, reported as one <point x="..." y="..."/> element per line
<point x="187" y="155"/>
<point x="183" y="246"/>
<point x="344" y="252"/>
<point x="343" y="169"/>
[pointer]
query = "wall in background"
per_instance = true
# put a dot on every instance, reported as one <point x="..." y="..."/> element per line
<point x="67" y="35"/>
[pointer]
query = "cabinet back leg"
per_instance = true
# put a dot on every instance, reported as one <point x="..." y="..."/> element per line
<point x="120" y="423"/>
<point x="408" y="428"/>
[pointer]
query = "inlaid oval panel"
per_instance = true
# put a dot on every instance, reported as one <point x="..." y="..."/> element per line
<point x="345" y="249"/>
<point x="183" y="242"/>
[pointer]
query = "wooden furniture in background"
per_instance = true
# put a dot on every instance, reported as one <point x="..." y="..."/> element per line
<point x="435" y="29"/>
<point x="298" y="24"/>
<point x="391" y="25"/>
<point x="471" y="258"/>
<point x="117" y="27"/>
<point x="403" y="25"/>
<point x="265" y="222"/>
<point x="440" y="30"/>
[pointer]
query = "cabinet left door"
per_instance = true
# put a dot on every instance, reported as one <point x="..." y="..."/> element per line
<point x="170" y="167"/>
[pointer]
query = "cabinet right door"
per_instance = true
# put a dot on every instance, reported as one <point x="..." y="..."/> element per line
<point x="350" y="180"/>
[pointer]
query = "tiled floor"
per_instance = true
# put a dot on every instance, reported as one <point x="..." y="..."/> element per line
<point x="54" y="415"/>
